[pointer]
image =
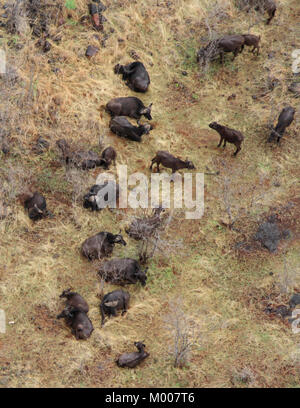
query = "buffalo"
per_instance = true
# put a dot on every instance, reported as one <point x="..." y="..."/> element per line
<point x="35" y="203"/>
<point x="123" y="128"/>
<point x="102" y="195"/>
<point x="79" y="322"/>
<point x="79" y="158"/>
<point x="171" y="162"/>
<point x="216" y="48"/>
<point x="75" y="300"/>
<point x="268" y="6"/>
<point x="108" y="156"/>
<point x="131" y="360"/>
<point x="228" y="135"/>
<point x="123" y="271"/>
<point x="101" y="245"/>
<point x="129" y="106"/>
<point x="135" y="74"/>
<point x="114" y="301"/>
<point x="286" y="117"/>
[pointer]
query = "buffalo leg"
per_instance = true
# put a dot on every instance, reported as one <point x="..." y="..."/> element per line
<point x="222" y="57"/>
<point x="235" y="53"/>
<point x="271" y="16"/>
<point x="224" y="145"/>
<point x="152" y="162"/>
<point x="220" y="142"/>
<point x="238" y="148"/>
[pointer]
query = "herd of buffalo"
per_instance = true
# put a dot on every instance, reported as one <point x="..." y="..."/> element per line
<point x="123" y="271"/>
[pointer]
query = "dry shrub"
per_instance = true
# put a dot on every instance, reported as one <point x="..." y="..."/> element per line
<point x="148" y="230"/>
<point x="180" y="326"/>
<point x="37" y="15"/>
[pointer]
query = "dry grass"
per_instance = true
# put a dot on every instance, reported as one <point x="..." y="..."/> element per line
<point x="222" y="290"/>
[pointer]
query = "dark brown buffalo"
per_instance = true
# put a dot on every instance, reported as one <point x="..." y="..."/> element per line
<point x="79" y="322"/>
<point x="121" y="126"/>
<point x="108" y="156"/>
<point x="264" y="6"/>
<point x="228" y="135"/>
<point x="171" y="162"/>
<point x="217" y="48"/>
<point x="74" y="300"/>
<point x="286" y="117"/>
<point x="135" y="75"/>
<point x="123" y="271"/>
<point x="131" y="360"/>
<point x="36" y="205"/>
<point x="102" y="195"/>
<point x="114" y="301"/>
<point x="101" y="245"/>
<point x="129" y="106"/>
<point x="79" y="158"/>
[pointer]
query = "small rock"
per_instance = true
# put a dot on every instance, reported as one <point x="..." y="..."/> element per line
<point x="91" y="51"/>
<point x="230" y="97"/>
<point x="184" y="73"/>
<point x="47" y="46"/>
<point x="5" y="148"/>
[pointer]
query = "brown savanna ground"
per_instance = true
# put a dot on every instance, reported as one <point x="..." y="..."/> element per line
<point x="224" y="290"/>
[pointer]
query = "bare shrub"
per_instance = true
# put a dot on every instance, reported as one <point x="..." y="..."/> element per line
<point x="13" y="181"/>
<point x="36" y="15"/>
<point x="149" y="231"/>
<point x="180" y="326"/>
<point x="238" y="199"/>
<point x="79" y="179"/>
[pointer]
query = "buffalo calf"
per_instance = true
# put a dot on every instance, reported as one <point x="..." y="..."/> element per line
<point x="171" y="162"/>
<point x="228" y="135"/>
